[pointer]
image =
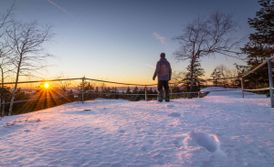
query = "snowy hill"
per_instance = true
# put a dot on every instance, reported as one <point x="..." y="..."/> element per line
<point x="221" y="129"/>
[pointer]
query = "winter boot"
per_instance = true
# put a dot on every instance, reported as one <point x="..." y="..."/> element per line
<point x="160" y="96"/>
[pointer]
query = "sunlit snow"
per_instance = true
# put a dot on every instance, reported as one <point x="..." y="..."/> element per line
<point x="221" y="129"/>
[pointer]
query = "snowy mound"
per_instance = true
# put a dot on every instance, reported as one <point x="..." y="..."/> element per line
<point x="221" y="129"/>
<point x="232" y="92"/>
<point x="209" y="89"/>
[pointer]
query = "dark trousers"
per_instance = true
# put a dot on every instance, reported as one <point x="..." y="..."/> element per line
<point x="163" y="87"/>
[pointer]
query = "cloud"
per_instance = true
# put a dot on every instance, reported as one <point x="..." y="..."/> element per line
<point x="160" y="38"/>
<point x="60" y="8"/>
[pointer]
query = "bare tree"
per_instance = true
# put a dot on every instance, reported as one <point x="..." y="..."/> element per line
<point x="5" y="61"/>
<point x="205" y="37"/>
<point x="5" y="19"/>
<point x="5" y="68"/>
<point x="26" y="42"/>
<point x="224" y="76"/>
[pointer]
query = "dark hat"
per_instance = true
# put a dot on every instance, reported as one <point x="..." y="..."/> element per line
<point x="162" y="55"/>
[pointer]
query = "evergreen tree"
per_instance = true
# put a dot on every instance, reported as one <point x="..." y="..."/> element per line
<point x="261" y="43"/>
<point x="128" y="91"/>
<point x="216" y="75"/>
<point x="193" y="79"/>
<point x="135" y="90"/>
<point x="219" y="74"/>
<point x="96" y="90"/>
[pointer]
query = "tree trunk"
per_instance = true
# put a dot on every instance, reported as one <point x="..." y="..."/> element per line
<point x="12" y="99"/>
<point x="2" y="101"/>
<point x="15" y="85"/>
<point x="3" y="107"/>
<point x="191" y="74"/>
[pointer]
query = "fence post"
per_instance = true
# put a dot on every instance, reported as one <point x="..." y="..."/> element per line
<point x="270" y="82"/>
<point x="171" y="93"/>
<point x="83" y="89"/>
<point x="242" y="87"/>
<point x="145" y="93"/>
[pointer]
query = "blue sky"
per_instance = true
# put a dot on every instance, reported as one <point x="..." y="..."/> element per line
<point x="121" y="40"/>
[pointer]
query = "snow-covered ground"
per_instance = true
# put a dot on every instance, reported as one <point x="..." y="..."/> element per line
<point x="221" y="129"/>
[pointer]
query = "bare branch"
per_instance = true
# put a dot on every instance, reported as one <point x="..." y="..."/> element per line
<point x="26" y="42"/>
<point x="205" y="37"/>
<point x="6" y="19"/>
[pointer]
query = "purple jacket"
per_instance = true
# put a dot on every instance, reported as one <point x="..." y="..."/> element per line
<point x="163" y="70"/>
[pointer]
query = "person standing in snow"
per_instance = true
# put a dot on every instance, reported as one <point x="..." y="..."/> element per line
<point x="163" y="72"/>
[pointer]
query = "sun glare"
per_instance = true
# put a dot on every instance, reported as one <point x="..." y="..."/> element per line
<point x="46" y="85"/>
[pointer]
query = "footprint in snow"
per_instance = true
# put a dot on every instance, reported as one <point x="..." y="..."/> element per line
<point x="178" y="143"/>
<point x="145" y="148"/>
<point x="82" y="112"/>
<point x="33" y="120"/>
<point x="87" y="142"/>
<point x="170" y="106"/>
<point x="27" y="130"/>
<point x="174" y="114"/>
<point x="20" y="122"/>
<point x="121" y="131"/>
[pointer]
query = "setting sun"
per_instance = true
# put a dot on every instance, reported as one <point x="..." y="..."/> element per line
<point x="46" y="85"/>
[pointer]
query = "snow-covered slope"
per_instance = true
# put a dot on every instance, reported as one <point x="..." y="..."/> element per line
<point x="221" y="129"/>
